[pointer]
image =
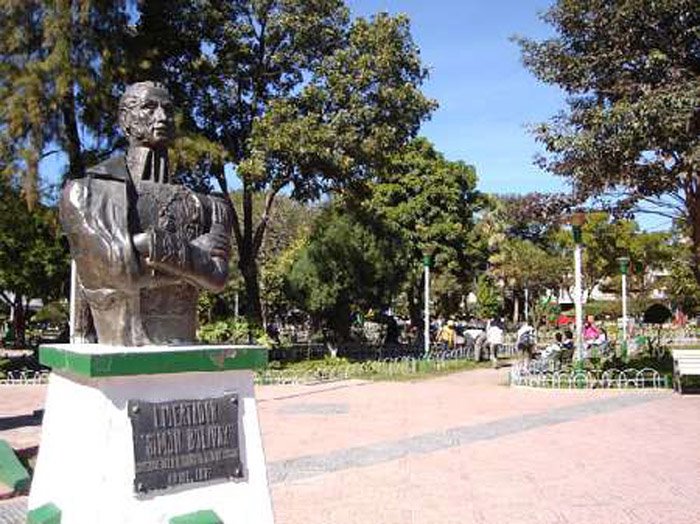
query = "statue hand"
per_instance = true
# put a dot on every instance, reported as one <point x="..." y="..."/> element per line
<point x="215" y="242"/>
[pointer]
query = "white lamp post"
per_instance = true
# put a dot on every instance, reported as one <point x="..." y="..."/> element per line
<point x="577" y="220"/>
<point x="624" y="268"/>
<point x="427" y="262"/>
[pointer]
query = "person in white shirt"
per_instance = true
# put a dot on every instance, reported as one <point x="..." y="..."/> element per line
<point x="525" y="341"/>
<point x="494" y="340"/>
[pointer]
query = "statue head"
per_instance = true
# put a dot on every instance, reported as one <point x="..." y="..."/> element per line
<point x="146" y="115"/>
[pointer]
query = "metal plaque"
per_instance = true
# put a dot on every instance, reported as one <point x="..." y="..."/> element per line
<point x="185" y="441"/>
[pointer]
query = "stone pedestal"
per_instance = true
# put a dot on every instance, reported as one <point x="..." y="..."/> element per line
<point x="92" y="448"/>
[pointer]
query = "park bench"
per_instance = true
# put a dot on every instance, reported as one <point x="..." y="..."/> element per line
<point x="686" y="362"/>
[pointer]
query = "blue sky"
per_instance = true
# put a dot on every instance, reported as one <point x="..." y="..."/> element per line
<point x="486" y="96"/>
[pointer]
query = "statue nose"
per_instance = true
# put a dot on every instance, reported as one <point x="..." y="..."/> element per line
<point x="160" y="114"/>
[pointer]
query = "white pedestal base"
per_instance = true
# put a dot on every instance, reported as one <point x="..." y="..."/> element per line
<point x="86" y="458"/>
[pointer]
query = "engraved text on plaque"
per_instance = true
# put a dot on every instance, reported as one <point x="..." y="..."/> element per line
<point x="185" y="441"/>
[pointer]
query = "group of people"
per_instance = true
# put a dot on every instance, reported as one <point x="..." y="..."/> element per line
<point x="487" y="342"/>
<point x="594" y="337"/>
<point x="452" y="335"/>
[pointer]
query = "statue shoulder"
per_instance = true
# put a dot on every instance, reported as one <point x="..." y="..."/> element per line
<point x="113" y="168"/>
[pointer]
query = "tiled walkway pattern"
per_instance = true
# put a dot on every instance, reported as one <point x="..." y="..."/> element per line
<point x="464" y="449"/>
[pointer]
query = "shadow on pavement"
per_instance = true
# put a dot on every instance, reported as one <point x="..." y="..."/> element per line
<point x="19" y="421"/>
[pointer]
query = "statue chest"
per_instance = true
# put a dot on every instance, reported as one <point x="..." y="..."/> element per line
<point x="172" y="208"/>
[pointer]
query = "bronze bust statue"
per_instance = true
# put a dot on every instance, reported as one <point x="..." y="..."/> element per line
<point x="144" y="246"/>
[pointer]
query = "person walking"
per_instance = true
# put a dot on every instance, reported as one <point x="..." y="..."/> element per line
<point x="494" y="340"/>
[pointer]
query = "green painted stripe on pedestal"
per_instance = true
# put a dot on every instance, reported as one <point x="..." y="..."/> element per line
<point x="152" y="363"/>
<point x="12" y="472"/>
<point x="46" y="514"/>
<point x="198" y="517"/>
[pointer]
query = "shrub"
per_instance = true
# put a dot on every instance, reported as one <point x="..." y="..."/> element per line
<point x="232" y="331"/>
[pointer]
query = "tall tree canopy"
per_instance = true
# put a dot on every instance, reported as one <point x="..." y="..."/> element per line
<point x="289" y="96"/>
<point x="347" y="264"/>
<point x="61" y="63"/>
<point x="631" y="69"/>
<point x="431" y="203"/>
<point x="286" y="94"/>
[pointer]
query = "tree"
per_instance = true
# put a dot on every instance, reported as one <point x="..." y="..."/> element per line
<point x="287" y="233"/>
<point x="489" y="299"/>
<point x="288" y="229"/>
<point x="60" y="65"/>
<point x="516" y="232"/>
<point x="631" y="70"/>
<point x="521" y="265"/>
<point x="288" y="95"/>
<point x="605" y="240"/>
<point x="346" y="266"/>
<point x="527" y="217"/>
<point x="34" y="260"/>
<point x="431" y="203"/>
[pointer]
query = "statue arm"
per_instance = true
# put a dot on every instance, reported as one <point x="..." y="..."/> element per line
<point x="95" y="223"/>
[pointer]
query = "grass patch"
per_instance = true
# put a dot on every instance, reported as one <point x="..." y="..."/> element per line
<point x="331" y="368"/>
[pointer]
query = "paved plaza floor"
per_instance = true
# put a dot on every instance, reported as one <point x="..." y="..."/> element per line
<point x="460" y="449"/>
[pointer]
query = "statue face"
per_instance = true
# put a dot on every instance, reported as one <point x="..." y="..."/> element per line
<point x="149" y="121"/>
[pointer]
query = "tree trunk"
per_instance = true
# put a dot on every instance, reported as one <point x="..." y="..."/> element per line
<point x="693" y="208"/>
<point x="19" y="322"/>
<point x="340" y="321"/>
<point x="414" y="309"/>
<point x="249" y="269"/>
<point x="247" y="256"/>
<point x="516" y="308"/>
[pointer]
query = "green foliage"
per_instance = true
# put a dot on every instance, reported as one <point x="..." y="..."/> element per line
<point x="333" y="367"/>
<point x="489" y="299"/>
<point x="34" y="260"/>
<point x="605" y="239"/>
<point x="60" y="63"/>
<point x="33" y="256"/>
<point x="530" y="216"/>
<point x="231" y="332"/>
<point x="631" y="71"/>
<point x="544" y="311"/>
<point x="681" y="285"/>
<point x="346" y="265"/>
<point x="522" y="264"/>
<point x="430" y="204"/>
<point x="293" y="96"/>
<point x="430" y="200"/>
<point x="57" y="312"/>
<point x="604" y="309"/>
<point x="274" y="283"/>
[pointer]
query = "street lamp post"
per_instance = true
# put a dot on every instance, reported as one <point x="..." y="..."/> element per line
<point x="624" y="268"/>
<point x="527" y="304"/>
<point x="427" y="262"/>
<point x="577" y="221"/>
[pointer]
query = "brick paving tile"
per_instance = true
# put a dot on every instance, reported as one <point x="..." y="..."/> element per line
<point x="463" y="449"/>
<point x="13" y="511"/>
